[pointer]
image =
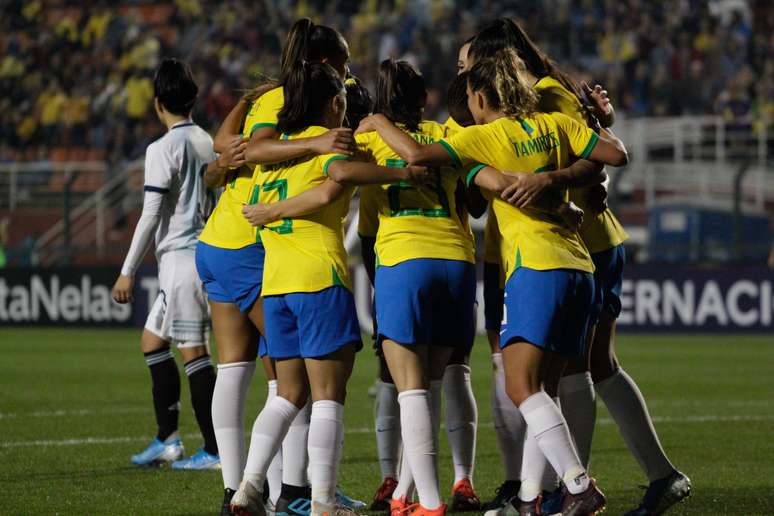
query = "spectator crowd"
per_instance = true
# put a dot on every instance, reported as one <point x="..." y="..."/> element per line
<point x="78" y="75"/>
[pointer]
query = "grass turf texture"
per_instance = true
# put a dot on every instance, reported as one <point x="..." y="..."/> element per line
<point x="76" y="404"/>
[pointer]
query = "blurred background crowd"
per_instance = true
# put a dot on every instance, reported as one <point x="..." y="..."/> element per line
<point x="76" y="77"/>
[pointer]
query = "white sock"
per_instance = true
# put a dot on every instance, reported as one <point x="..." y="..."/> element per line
<point x="533" y="467"/>
<point x="579" y="407"/>
<point x="387" y="427"/>
<point x="550" y="480"/>
<point x="417" y="431"/>
<point x="269" y="430"/>
<point x="435" y="398"/>
<point x="461" y="419"/>
<point x="545" y="421"/>
<point x="509" y="425"/>
<point x="405" y="487"/>
<point x="326" y="428"/>
<point x="294" y="457"/>
<point x="228" y="417"/>
<point x="274" y="473"/>
<point x="627" y="406"/>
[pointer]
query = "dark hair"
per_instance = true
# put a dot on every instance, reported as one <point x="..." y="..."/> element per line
<point x="308" y="88"/>
<point x="501" y="80"/>
<point x="175" y="87"/>
<point x="359" y="103"/>
<point x="505" y="33"/>
<point x="457" y="100"/>
<point x="309" y="42"/>
<point x="400" y="93"/>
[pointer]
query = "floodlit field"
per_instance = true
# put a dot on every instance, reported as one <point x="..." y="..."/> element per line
<point x="75" y="404"/>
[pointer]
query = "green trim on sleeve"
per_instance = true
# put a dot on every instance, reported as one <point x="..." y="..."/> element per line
<point x="473" y="173"/>
<point x="590" y="146"/>
<point x="454" y="156"/>
<point x="331" y="160"/>
<point x="260" y="125"/>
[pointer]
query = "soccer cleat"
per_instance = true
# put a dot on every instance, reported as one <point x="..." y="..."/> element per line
<point x="384" y="495"/>
<point x="552" y="502"/>
<point x="663" y="494"/>
<point x="464" y="498"/>
<point x="247" y="501"/>
<point x="225" y="508"/>
<point x="418" y="510"/>
<point x="503" y="495"/>
<point x="346" y="501"/>
<point x="321" y="509"/>
<point x="159" y="452"/>
<point x="199" y="460"/>
<point x="294" y="507"/>
<point x="399" y="506"/>
<point x="589" y="502"/>
<point x="531" y="508"/>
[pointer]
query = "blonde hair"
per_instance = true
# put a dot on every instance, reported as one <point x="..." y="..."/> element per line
<point x="501" y="80"/>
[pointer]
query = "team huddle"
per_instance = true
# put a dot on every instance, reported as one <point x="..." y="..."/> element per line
<point x="524" y="144"/>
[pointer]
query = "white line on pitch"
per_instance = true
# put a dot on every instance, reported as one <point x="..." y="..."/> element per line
<point x="366" y="430"/>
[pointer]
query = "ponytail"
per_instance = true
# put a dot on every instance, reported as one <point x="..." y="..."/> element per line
<point x="309" y="42"/>
<point x="505" y="33"/>
<point x="501" y="80"/>
<point x="308" y="89"/>
<point x="401" y="93"/>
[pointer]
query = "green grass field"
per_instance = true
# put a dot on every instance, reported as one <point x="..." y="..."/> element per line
<point x="75" y="404"/>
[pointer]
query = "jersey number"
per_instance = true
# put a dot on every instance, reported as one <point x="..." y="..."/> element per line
<point x="281" y="185"/>
<point x="393" y="194"/>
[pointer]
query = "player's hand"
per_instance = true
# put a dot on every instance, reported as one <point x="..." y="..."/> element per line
<point x="369" y="123"/>
<point x="771" y="258"/>
<point x="420" y="176"/>
<point x="572" y="216"/>
<point x="259" y="214"/>
<point x="123" y="288"/>
<point x="525" y="188"/>
<point x="234" y="155"/>
<point x="596" y="198"/>
<point x="600" y="103"/>
<point x="335" y="141"/>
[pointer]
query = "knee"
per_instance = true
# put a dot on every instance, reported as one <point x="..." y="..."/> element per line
<point x="296" y="394"/>
<point x="519" y="387"/>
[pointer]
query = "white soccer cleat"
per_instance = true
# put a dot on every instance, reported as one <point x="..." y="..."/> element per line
<point x="247" y="501"/>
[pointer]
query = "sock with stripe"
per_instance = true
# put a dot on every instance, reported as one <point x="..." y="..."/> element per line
<point x="228" y="416"/>
<point x="627" y="406"/>
<point x="166" y="390"/>
<point x="461" y="419"/>
<point x="201" y="381"/>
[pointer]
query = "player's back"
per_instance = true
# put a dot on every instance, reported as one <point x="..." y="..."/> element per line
<point x="177" y="162"/>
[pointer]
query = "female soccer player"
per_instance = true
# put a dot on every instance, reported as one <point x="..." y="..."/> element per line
<point x="174" y="208"/>
<point x="311" y="324"/>
<point x="424" y="282"/>
<point x="603" y="236"/>
<point x="549" y="286"/>
<point x="230" y="260"/>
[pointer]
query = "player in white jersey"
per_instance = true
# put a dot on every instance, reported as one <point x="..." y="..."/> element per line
<point x="175" y="207"/>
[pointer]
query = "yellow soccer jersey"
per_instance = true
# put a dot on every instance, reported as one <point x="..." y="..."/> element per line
<point x="227" y="228"/>
<point x="452" y="126"/>
<point x="368" y="221"/>
<point x="493" y="244"/>
<point x="537" y="144"/>
<point x="416" y="222"/>
<point x="304" y="254"/>
<point x="600" y="232"/>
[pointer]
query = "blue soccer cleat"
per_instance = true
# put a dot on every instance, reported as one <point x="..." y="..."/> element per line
<point x="159" y="452"/>
<point x="552" y="502"/>
<point x="199" y="460"/>
<point x="663" y="494"/>
<point x="346" y="501"/>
